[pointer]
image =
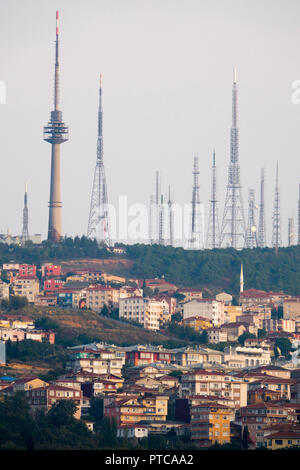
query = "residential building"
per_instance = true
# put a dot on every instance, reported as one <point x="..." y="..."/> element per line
<point x="197" y="323"/>
<point x="291" y="308"/>
<point x="225" y="298"/>
<point x="4" y="291"/>
<point x="143" y="310"/>
<point x="259" y="416"/>
<point x="217" y="335"/>
<point x="43" y="398"/>
<point x="98" y="296"/>
<point x="208" y="308"/>
<point x="26" y="286"/>
<point x="98" y="361"/>
<point x="240" y="356"/>
<point x="51" y="270"/>
<point x="190" y="294"/>
<point x="27" y="270"/>
<point x="232" y="313"/>
<point x="210" y="423"/>
<point x="213" y="383"/>
<point x="53" y="284"/>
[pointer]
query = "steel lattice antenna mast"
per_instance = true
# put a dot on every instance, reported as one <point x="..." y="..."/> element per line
<point x="98" y="224"/>
<point x="299" y="217"/>
<point x="196" y="241"/>
<point x="261" y="239"/>
<point x="171" y="219"/>
<point x="276" y="237"/>
<point x="213" y="232"/>
<point x="250" y="239"/>
<point x="291" y="231"/>
<point x="161" y="221"/>
<point x="56" y="133"/>
<point x="233" y="224"/>
<point x="25" y="232"/>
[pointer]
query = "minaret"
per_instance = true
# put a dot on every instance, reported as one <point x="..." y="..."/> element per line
<point x="276" y="236"/>
<point x="213" y="232"/>
<point x="261" y="237"/>
<point x="250" y="239"/>
<point x="196" y="240"/>
<point x="241" y="280"/>
<point x="98" y="224"/>
<point x="56" y="133"/>
<point x="25" y="233"/>
<point x="233" y="224"/>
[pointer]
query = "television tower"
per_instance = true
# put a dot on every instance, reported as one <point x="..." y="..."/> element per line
<point x="213" y="232"/>
<point x="25" y="232"/>
<point x="98" y="224"/>
<point x="276" y="237"/>
<point x="261" y="238"/>
<point x="56" y="133"/>
<point x="233" y="223"/>
<point x="196" y="240"/>
<point x="250" y="239"/>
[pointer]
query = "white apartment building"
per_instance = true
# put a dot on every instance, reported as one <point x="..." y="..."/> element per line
<point x="145" y="311"/>
<point x="211" y="309"/>
<point x="26" y="286"/>
<point x="241" y="356"/>
<point x="216" y="335"/>
<point x="213" y="383"/>
<point x="96" y="361"/>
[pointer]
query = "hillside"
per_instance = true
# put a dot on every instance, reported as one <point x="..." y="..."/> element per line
<point x="213" y="270"/>
<point x="82" y="326"/>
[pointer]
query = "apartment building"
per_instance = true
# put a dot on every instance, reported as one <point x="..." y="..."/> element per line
<point x="27" y="270"/>
<point x="98" y="296"/>
<point x="4" y="291"/>
<point x="241" y="356"/>
<point x="213" y="383"/>
<point x="216" y="335"/>
<point x="259" y="416"/>
<point x="208" y="308"/>
<point x="291" y="308"/>
<point x="97" y="361"/>
<point x="44" y="398"/>
<point x="132" y="409"/>
<point x="197" y="323"/>
<point x="146" y="311"/>
<point x="26" y="286"/>
<point x="210" y="423"/>
<point x="190" y="294"/>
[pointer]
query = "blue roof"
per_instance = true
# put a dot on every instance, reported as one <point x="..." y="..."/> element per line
<point x="5" y="377"/>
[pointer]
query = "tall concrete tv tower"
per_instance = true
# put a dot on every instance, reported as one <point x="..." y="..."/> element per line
<point x="233" y="224"/>
<point x="56" y="133"/>
<point x="98" y="224"/>
<point x="25" y="232"/>
<point x="213" y="232"/>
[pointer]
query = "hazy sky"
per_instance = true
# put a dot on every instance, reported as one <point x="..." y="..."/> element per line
<point x="167" y="79"/>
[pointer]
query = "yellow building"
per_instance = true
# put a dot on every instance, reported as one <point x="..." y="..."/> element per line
<point x="232" y="312"/>
<point x="280" y="440"/>
<point x="210" y="423"/>
<point x="197" y="323"/>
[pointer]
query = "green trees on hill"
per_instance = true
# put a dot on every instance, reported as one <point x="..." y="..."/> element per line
<point x="220" y="269"/>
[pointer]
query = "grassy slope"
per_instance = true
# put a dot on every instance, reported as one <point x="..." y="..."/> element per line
<point x="73" y="323"/>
